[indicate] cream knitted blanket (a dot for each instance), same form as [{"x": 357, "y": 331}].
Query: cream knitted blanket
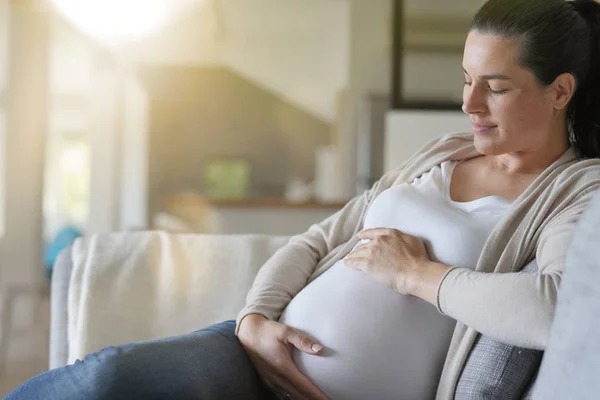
[{"x": 129, "y": 287}]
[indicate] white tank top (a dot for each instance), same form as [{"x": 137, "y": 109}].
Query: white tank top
[{"x": 380, "y": 344}]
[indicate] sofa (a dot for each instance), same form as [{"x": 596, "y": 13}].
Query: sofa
[{"x": 123, "y": 287}]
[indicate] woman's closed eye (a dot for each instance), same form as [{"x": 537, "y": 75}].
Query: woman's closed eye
[
  {"x": 497, "y": 91},
  {"x": 490, "y": 89}
]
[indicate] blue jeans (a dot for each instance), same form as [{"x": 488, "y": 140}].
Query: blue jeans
[{"x": 208, "y": 364}]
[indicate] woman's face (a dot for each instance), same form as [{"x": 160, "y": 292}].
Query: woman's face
[{"x": 510, "y": 111}]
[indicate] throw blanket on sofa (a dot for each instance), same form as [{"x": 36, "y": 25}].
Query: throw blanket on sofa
[{"x": 129, "y": 287}]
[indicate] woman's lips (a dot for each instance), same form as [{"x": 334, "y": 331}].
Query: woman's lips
[{"x": 482, "y": 128}]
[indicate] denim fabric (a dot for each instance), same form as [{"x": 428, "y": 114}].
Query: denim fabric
[{"x": 207, "y": 364}]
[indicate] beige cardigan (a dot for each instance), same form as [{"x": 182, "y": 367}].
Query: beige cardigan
[{"x": 495, "y": 299}]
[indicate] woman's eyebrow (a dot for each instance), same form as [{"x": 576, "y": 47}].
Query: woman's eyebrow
[{"x": 491, "y": 76}]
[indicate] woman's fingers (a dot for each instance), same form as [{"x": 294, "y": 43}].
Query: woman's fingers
[
  {"x": 290, "y": 373},
  {"x": 302, "y": 342}
]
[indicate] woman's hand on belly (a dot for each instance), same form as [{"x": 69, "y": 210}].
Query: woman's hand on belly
[
  {"x": 398, "y": 261},
  {"x": 269, "y": 345}
]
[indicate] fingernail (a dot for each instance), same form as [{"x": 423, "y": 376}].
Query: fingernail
[{"x": 316, "y": 347}]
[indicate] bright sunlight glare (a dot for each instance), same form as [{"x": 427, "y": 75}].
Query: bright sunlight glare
[{"x": 114, "y": 21}]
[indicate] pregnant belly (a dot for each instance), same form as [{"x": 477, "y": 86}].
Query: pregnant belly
[{"x": 377, "y": 343}]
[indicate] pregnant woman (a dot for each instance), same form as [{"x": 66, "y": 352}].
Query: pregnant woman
[{"x": 462, "y": 246}]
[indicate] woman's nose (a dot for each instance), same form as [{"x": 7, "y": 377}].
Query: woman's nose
[{"x": 473, "y": 102}]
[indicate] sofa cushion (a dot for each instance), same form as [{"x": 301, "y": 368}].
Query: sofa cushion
[{"x": 497, "y": 371}]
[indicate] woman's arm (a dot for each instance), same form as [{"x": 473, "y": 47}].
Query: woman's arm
[{"x": 515, "y": 308}]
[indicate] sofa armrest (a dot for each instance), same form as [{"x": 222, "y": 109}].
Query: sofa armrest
[{"x": 58, "y": 309}]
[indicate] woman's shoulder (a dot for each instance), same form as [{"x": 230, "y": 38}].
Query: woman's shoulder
[
  {"x": 587, "y": 169},
  {"x": 577, "y": 176}
]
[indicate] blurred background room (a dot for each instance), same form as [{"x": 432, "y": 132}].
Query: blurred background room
[{"x": 202, "y": 116}]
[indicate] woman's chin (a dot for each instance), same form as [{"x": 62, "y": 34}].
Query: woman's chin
[{"x": 487, "y": 146}]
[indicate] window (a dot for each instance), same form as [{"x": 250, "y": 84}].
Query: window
[{"x": 66, "y": 197}]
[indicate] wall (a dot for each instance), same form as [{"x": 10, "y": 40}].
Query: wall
[
  {"x": 196, "y": 113},
  {"x": 298, "y": 49},
  {"x": 189, "y": 38}
]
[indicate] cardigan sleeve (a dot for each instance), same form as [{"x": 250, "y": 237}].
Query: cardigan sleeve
[{"x": 515, "y": 308}]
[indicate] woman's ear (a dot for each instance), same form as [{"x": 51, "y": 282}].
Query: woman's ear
[{"x": 562, "y": 90}]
